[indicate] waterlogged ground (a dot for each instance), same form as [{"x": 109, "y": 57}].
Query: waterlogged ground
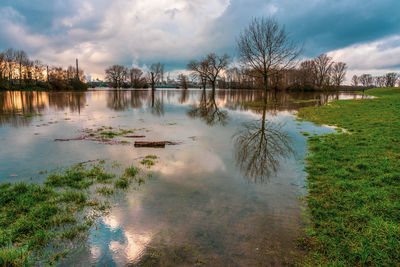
[{"x": 226, "y": 194}]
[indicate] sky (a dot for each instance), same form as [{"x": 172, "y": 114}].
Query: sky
[{"x": 363, "y": 33}]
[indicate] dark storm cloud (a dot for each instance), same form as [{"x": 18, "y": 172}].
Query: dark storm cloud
[{"x": 102, "y": 32}]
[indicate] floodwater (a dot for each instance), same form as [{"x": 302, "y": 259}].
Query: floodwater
[{"x": 227, "y": 195}]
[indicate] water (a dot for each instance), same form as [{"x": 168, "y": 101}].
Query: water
[{"x": 228, "y": 195}]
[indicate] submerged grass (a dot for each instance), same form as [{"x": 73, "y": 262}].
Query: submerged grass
[
  {"x": 149, "y": 160},
  {"x": 354, "y": 183},
  {"x": 33, "y": 216}
]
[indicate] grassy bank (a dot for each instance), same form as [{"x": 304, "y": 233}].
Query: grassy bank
[
  {"x": 354, "y": 183},
  {"x": 36, "y": 220},
  {"x": 55, "y": 85}
]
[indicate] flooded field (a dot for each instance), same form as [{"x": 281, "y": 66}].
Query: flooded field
[{"x": 224, "y": 193}]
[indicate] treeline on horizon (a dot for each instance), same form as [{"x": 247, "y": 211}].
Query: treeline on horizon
[
  {"x": 267, "y": 60},
  {"x": 213, "y": 71},
  {"x": 19, "y": 72}
]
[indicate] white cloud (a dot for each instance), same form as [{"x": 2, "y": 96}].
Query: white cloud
[
  {"x": 377, "y": 57},
  {"x": 139, "y": 32},
  {"x": 128, "y": 32}
]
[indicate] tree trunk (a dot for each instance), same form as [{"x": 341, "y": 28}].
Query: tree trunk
[{"x": 265, "y": 83}]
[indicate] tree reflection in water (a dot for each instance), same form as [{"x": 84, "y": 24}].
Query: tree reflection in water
[
  {"x": 260, "y": 147},
  {"x": 208, "y": 110},
  {"x": 157, "y": 105}
]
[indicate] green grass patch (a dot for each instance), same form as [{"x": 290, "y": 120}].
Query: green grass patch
[
  {"x": 354, "y": 183},
  {"x": 131, "y": 171},
  {"x": 299, "y": 101},
  {"x": 33, "y": 216},
  {"x": 122, "y": 183},
  {"x": 149, "y": 161},
  {"x": 108, "y": 132},
  {"x": 29, "y": 115},
  {"x": 106, "y": 191}
]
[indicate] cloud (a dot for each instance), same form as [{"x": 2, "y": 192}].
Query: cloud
[
  {"x": 103, "y": 32},
  {"x": 380, "y": 54}
]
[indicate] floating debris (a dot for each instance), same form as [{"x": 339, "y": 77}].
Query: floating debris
[
  {"x": 160, "y": 144},
  {"x": 97, "y": 139},
  {"x": 134, "y": 136}
]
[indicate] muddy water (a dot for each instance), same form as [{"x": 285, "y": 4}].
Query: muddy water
[{"x": 227, "y": 195}]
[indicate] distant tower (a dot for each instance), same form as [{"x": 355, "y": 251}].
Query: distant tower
[{"x": 77, "y": 70}]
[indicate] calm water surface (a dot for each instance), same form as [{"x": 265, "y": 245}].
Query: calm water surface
[{"x": 228, "y": 195}]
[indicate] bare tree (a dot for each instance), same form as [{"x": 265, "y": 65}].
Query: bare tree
[
  {"x": 21, "y": 58},
  {"x": 323, "y": 68},
  {"x": 380, "y": 81},
  {"x": 9, "y": 58},
  {"x": 307, "y": 74},
  {"x": 137, "y": 81},
  {"x": 2, "y": 65},
  {"x": 366, "y": 80},
  {"x": 38, "y": 73},
  {"x": 264, "y": 46},
  {"x": 338, "y": 73},
  {"x": 354, "y": 80},
  {"x": 199, "y": 70},
  {"x": 391, "y": 79},
  {"x": 155, "y": 74},
  {"x": 184, "y": 80},
  {"x": 209, "y": 68},
  {"x": 116, "y": 75}
]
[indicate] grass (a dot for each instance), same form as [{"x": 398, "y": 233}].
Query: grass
[
  {"x": 34, "y": 216},
  {"x": 129, "y": 175},
  {"x": 107, "y": 132},
  {"x": 354, "y": 183},
  {"x": 106, "y": 191},
  {"x": 29, "y": 115},
  {"x": 149, "y": 161},
  {"x": 300, "y": 101}
]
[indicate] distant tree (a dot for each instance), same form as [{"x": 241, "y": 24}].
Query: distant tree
[
  {"x": 184, "y": 80},
  {"x": 71, "y": 73},
  {"x": 199, "y": 70},
  {"x": 391, "y": 79},
  {"x": 354, "y": 80},
  {"x": 210, "y": 67},
  {"x": 9, "y": 58},
  {"x": 338, "y": 73},
  {"x": 21, "y": 58},
  {"x": 307, "y": 74},
  {"x": 380, "y": 81},
  {"x": 116, "y": 75},
  {"x": 264, "y": 47},
  {"x": 366, "y": 80},
  {"x": 323, "y": 67},
  {"x": 155, "y": 74},
  {"x": 38, "y": 73},
  {"x": 137, "y": 81},
  {"x": 2, "y": 65}
]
